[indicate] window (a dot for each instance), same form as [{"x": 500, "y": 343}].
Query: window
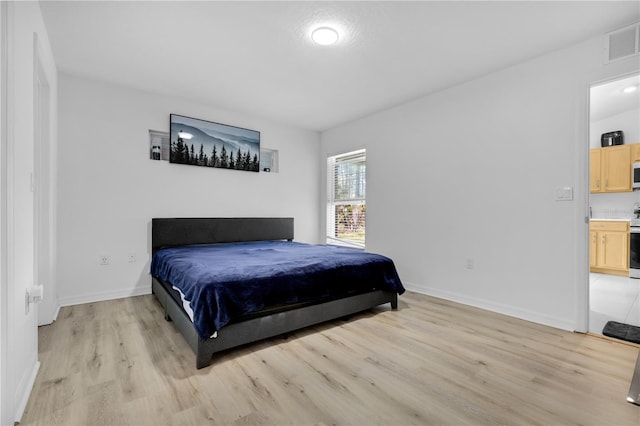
[{"x": 346, "y": 207}]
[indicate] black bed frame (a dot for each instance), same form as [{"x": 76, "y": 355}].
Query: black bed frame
[{"x": 183, "y": 231}]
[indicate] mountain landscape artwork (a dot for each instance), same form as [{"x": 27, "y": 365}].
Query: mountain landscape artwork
[{"x": 208, "y": 144}]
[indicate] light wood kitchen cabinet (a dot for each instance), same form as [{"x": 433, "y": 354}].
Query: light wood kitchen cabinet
[
  {"x": 593, "y": 249},
  {"x": 635, "y": 152},
  {"x": 611, "y": 169},
  {"x": 595, "y": 172},
  {"x": 609, "y": 247}
]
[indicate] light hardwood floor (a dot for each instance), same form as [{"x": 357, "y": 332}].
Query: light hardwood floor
[{"x": 430, "y": 362}]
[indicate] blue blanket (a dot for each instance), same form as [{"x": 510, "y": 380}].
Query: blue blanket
[{"x": 225, "y": 281}]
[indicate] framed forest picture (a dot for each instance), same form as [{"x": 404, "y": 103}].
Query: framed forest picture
[{"x": 207, "y": 144}]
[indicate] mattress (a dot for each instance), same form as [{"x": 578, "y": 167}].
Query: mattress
[
  {"x": 178, "y": 297},
  {"x": 224, "y": 282}
]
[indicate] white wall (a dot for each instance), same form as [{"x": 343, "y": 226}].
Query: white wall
[
  {"x": 471, "y": 173},
  {"x": 109, "y": 189},
  {"x": 24, "y": 27}
]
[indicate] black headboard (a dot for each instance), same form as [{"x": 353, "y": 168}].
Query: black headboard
[{"x": 167, "y": 232}]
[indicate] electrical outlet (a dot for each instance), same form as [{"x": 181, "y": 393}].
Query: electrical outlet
[
  {"x": 132, "y": 257},
  {"x": 469, "y": 263},
  {"x": 104, "y": 260}
]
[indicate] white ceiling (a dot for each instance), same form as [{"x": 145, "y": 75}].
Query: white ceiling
[
  {"x": 609, "y": 98},
  {"x": 257, "y": 58}
]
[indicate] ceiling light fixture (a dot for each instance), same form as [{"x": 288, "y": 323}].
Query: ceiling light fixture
[
  {"x": 630, "y": 89},
  {"x": 325, "y": 36}
]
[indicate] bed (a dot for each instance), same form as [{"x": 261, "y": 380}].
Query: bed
[{"x": 208, "y": 308}]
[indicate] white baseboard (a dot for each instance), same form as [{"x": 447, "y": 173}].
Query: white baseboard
[
  {"x": 48, "y": 319},
  {"x": 56, "y": 313},
  {"x": 489, "y": 305},
  {"x": 102, "y": 296},
  {"x": 23, "y": 392}
]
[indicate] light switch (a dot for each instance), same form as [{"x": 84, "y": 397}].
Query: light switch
[{"x": 564, "y": 193}]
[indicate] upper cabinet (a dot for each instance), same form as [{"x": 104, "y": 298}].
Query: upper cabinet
[
  {"x": 611, "y": 168},
  {"x": 635, "y": 152},
  {"x": 595, "y": 170}
]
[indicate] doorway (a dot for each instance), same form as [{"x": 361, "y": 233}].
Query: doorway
[{"x": 613, "y": 296}]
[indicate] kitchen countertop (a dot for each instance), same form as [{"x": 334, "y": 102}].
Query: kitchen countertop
[{"x": 608, "y": 220}]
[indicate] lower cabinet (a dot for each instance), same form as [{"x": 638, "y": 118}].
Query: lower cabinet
[{"x": 609, "y": 247}]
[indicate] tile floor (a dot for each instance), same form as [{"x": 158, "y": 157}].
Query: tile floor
[{"x": 613, "y": 298}]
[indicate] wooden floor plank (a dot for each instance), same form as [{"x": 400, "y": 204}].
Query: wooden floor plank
[{"x": 430, "y": 362}]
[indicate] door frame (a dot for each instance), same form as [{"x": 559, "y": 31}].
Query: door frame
[
  {"x": 43, "y": 225},
  {"x": 584, "y": 304},
  {"x": 6, "y": 394}
]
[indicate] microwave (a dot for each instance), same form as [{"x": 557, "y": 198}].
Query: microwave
[{"x": 635, "y": 175}]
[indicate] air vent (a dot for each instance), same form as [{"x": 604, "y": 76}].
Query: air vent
[{"x": 622, "y": 43}]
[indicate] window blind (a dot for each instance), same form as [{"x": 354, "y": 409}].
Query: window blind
[{"x": 346, "y": 205}]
